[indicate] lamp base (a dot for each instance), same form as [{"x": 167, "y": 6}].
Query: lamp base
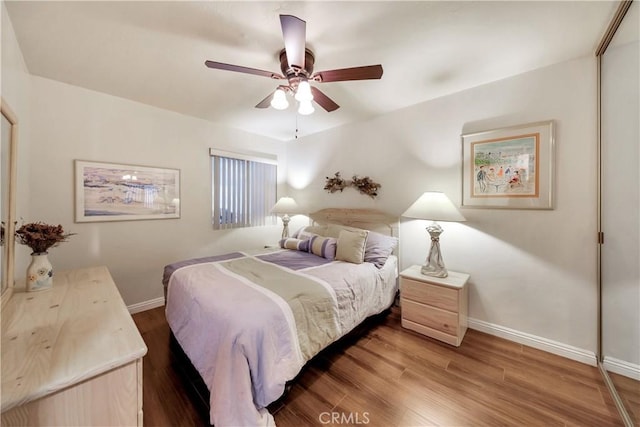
[
  {"x": 434, "y": 265},
  {"x": 285, "y": 222},
  {"x": 428, "y": 270}
]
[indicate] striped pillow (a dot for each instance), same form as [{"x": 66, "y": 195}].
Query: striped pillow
[
  {"x": 323, "y": 246},
  {"x": 295, "y": 244}
]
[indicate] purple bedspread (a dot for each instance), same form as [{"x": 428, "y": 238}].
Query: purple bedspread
[
  {"x": 169, "y": 269},
  {"x": 294, "y": 260}
]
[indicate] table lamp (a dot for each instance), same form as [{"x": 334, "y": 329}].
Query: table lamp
[
  {"x": 285, "y": 206},
  {"x": 434, "y": 206}
]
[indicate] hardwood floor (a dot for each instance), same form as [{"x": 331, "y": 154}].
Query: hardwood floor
[
  {"x": 385, "y": 375},
  {"x": 629, "y": 391}
]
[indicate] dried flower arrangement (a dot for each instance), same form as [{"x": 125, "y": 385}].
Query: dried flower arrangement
[
  {"x": 40, "y": 236},
  {"x": 363, "y": 185},
  {"x": 335, "y": 184},
  {"x": 366, "y": 186}
]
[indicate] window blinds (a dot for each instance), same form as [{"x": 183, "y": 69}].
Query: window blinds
[{"x": 244, "y": 191}]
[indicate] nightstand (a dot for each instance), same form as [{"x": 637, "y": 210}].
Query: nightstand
[{"x": 434, "y": 306}]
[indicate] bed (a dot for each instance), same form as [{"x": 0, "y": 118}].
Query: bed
[{"x": 248, "y": 321}]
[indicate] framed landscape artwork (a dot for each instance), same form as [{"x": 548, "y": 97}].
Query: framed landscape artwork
[
  {"x": 511, "y": 168},
  {"x": 117, "y": 192}
]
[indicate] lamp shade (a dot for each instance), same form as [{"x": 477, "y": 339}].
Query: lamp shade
[
  {"x": 279, "y": 100},
  {"x": 285, "y": 205},
  {"x": 435, "y": 206},
  {"x": 306, "y": 108}
]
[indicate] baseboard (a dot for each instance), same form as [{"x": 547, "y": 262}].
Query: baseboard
[
  {"x": 554, "y": 347},
  {"x": 622, "y": 368},
  {"x": 544, "y": 344},
  {"x": 146, "y": 305}
]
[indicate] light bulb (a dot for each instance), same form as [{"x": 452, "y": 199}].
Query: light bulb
[
  {"x": 304, "y": 91},
  {"x": 279, "y": 100},
  {"x": 306, "y": 108}
]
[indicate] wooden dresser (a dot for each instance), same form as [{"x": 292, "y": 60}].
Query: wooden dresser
[
  {"x": 433, "y": 306},
  {"x": 71, "y": 355}
]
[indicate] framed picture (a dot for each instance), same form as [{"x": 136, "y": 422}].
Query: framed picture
[
  {"x": 511, "y": 168},
  {"x": 116, "y": 192}
]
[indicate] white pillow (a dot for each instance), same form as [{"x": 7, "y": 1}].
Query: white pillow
[{"x": 351, "y": 246}]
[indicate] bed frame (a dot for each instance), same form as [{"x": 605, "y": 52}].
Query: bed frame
[{"x": 368, "y": 219}]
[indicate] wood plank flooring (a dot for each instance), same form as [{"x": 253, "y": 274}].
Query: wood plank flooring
[
  {"x": 385, "y": 375},
  {"x": 629, "y": 392}
]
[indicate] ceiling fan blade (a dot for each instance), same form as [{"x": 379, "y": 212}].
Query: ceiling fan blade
[
  {"x": 367, "y": 72},
  {"x": 294, "y": 33},
  {"x": 323, "y": 100},
  {"x": 240, "y": 69},
  {"x": 265, "y": 103}
]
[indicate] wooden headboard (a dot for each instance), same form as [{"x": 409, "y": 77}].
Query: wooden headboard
[{"x": 368, "y": 219}]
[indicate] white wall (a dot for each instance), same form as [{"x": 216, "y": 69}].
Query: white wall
[
  {"x": 531, "y": 271},
  {"x": 69, "y": 123}
]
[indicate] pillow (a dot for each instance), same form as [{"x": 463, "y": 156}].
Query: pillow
[
  {"x": 320, "y": 230},
  {"x": 305, "y": 235},
  {"x": 351, "y": 246},
  {"x": 378, "y": 248},
  {"x": 333, "y": 230},
  {"x": 295, "y": 244},
  {"x": 323, "y": 246}
]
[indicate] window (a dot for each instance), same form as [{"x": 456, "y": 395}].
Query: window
[{"x": 244, "y": 190}]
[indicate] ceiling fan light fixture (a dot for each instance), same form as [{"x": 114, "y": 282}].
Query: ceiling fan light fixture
[
  {"x": 304, "y": 92},
  {"x": 306, "y": 108},
  {"x": 279, "y": 100}
]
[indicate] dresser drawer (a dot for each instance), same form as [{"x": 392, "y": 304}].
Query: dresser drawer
[
  {"x": 436, "y": 296},
  {"x": 432, "y": 317}
]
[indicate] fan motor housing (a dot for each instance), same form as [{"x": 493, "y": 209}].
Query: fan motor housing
[{"x": 291, "y": 72}]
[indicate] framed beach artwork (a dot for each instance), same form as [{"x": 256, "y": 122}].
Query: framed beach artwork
[
  {"x": 511, "y": 168},
  {"x": 118, "y": 192}
]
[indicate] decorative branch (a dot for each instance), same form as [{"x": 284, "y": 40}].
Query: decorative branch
[
  {"x": 335, "y": 184},
  {"x": 363, "y": 185},
  {"x": 366, "y": 186}
]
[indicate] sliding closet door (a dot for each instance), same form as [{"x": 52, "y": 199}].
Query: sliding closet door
[{"x": 620, "y": 211}]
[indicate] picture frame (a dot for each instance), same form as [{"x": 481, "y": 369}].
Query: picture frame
[
  {"x": 121, "y": 192},
  {"x": 509, "y": 168}
]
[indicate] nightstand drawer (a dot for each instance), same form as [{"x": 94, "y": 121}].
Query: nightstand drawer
[
  {"x": 437, "y": 296},
  {"x": 432, "y": 317}
]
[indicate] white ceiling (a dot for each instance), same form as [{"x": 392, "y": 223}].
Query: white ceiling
[{"x": 154, "y": 52}]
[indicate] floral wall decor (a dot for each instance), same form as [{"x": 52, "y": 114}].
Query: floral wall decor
[
  {"x": 364, "y": 185},
  {"x": 335, "y": 184}
]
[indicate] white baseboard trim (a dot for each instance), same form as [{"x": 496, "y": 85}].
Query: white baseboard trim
[
  {"x": 145, "y": 305},
  {"x": 621, "y": 367},
  {"x": 544, "y": 344}
]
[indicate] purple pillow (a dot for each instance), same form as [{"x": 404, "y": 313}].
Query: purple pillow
[{"x": 378, "y": 248}]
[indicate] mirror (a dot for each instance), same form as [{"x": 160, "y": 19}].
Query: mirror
[
  {"x": 619, "y": 208},
  {"x": 8, "y": 154}
]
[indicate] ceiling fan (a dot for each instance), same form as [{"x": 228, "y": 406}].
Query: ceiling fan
[{"x": 296, "y": 64}]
